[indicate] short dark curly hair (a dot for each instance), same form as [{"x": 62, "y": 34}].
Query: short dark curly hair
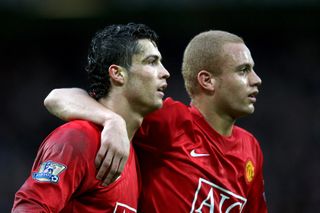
[{"x": 115, "y": 44}]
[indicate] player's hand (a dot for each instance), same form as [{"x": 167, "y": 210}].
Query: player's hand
[{"x": 114, "y": 150}]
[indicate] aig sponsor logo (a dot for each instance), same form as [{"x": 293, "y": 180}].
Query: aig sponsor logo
[
  {"x": 121, "y": 208},
  {"x": 212, "y": 198}
]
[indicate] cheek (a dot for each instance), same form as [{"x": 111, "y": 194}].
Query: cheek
[
  {"x": 135, "y": 86},
  {"x": 243, "y": 81},
  {"x": 234, "y": 89},
  {"x": 238, "y": 84},
  {"x": 144, "y": 86}
]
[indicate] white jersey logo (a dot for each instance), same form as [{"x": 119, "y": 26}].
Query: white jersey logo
[
  {"x": 194, "y": 154},
  {"x": 212, "y": 198},
  {"x": 123, "y": 208}
]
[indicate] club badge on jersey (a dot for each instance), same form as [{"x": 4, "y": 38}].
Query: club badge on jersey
[
  {"x": 249, "y": 171},
  {"x": 49, "y": 172}
]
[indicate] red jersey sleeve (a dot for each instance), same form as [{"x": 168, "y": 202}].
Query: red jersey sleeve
[
  {"x": 256, "y": 197},
  {"x": 159, "y": 127},
  {"x": 58, "y": 171}
]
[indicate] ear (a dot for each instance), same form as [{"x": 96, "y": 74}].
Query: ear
[
  {"x": 117, "y": 74},
  {"x": 206, "y": 80}
]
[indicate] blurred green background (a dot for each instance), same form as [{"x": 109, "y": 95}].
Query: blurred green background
[{"x": 44, "y": 45}]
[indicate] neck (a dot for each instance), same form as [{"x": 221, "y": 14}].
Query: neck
[
  {"x": 120, "y": 105},
  {"x": 219, "y": 121}
]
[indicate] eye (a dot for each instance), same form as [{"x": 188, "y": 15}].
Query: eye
[
  {"x": 153, "y": 62},
  {"x": 244, "y": 70}
]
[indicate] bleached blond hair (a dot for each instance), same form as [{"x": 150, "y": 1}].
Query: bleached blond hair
[{"x": 204, "y": 52}]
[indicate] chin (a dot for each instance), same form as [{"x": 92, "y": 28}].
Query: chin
[
  {"x": 250, "y": 111},
  {"x": 245, "y": 112},
  {"x": 156, "y": 105},
  {"x": 159, "y": 104}
]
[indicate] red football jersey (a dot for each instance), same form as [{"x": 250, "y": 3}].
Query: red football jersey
[
  {"x": 186, "y": 166},
  {"x": 63, "y": 177}
]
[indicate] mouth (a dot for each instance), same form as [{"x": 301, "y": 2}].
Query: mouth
[
  {"x": 161, "y": 89},
  {"x": 252, "y": 96}
]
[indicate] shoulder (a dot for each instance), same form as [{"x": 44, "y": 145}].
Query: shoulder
[
  {"x": 238, "y": 131},
  {"x": 167, "y": 119},
  {"x": 77, "y": 130},
  {"x": 248, "y": 139},
  {"x": 170, "y": 104},
  {"x": 170, "y": 111},
  {"x": 160, "y": 127},
  {"x": 75, "y": 137}
]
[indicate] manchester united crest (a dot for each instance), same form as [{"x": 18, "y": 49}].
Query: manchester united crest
[{"x": 249, "y": 171}]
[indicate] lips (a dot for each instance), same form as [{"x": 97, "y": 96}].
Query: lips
[
  {"x": 162, "y": 88},
  {"x": 252, "y": 96}
]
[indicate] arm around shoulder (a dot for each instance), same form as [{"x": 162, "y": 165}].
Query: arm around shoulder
[
  {"x": 75, "y": 103},
  {"x": 63, "y": 102}
]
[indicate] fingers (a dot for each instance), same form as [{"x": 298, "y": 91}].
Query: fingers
[
  {"x": 105, "y": 165},
  {"x": 113, "y": 173},
  {"x": 100, "y": 157},
  {"x": 122, "y": 163},
  {"x": 113, "y": 153},
  {"x": 111, "y": 166}
]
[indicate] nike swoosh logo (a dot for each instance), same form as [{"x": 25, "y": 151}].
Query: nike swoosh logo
[{"x": 194, "y": 154}]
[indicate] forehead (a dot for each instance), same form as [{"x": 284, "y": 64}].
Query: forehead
[
  {"x": 146, "y": 48},
  {"x": 237, "y": 54}
]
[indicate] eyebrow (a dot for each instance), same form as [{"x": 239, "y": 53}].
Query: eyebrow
[
  {"x": 245, "y": 65},
  {"x": 156, "y": 57}
]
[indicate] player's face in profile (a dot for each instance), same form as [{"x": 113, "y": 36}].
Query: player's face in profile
[
  {"x": 146, "y": 78},
  {"x": 237, "y": 85}
]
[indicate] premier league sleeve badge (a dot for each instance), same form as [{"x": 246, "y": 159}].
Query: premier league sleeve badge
[{"x": 49, "y": 172}]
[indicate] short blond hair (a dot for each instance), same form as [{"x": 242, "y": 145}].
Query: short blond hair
[{"x": 203, "y": 53}]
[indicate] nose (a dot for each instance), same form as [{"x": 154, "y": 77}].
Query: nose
[
  {"x": 255, "y": 80},
  {"x": 164, "y": 73}
]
